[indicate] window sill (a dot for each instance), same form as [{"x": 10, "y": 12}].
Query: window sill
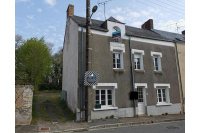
[
  {"x": 105, "y": 108},
  {"x": 118, "y": 70},
  {"x": 140, "y": 71},
  {"x": 163, "y": 104},
  {"x": 158, "y": 72}
]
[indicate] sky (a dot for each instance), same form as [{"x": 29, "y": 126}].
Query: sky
[{"x": 37, "y": 18}]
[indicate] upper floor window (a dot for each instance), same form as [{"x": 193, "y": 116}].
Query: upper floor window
[
  {"x": 138, "y": 59},
  {"x": 117, "y": 60},
  {"x": 116, "y": 34},
  {"x": 157, "y": 60}
]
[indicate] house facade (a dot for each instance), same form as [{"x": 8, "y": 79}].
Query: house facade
[{"x": 116, "y": 50}]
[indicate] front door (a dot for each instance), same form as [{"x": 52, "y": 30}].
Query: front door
[{"x": 141, "y": 103}]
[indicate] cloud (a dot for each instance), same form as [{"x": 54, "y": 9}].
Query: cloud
[
  {"x": 52, "y": 27},
  {"x": 30, "y": 17},
  {"x": 39, "y": 10},
  {"x": 22, "y": 0},
  {"x": 134, "y": 14},
  {"x": 28, "y": 25},
  {"x": 50, "y": 2},
  {"x": 120, "y": 18},
  {"x": 137, "y": 24},
  {"x": 117, "y": 10},
  {"x": 145, "y": 13}
]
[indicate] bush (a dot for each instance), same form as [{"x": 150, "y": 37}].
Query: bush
[{"x": 112, "y": 116}]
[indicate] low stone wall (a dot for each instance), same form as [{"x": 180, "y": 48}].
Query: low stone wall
[{"x": 23, "y": 104}]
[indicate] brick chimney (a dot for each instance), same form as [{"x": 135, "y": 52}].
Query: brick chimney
[
  {"x": 183, "y": 32},
  {"x": 148, "y": 25},
  {"x": 70, "y": 10}
]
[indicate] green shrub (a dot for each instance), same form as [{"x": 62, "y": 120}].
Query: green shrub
[
  {"x": 112, "y": 116},
  {"x": 106, "y": 117},
  {"x": 166, "y": 113}
]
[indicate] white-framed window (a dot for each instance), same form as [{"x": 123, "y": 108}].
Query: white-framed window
[
  {"x": 157, "y": 61},
  {"x": 140, "y": 94},
  {"x": 117, "y": 60},
  {"x": 138, "y": 59},
  {"x": 104, "y": 97},
  {"x": 162, "y": 93}
]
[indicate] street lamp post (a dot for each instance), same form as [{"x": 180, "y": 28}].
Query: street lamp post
[{"x": 88, "y": 55}]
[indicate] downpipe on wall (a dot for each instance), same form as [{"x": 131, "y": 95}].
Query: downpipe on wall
[{"x": 132, "y": 75}]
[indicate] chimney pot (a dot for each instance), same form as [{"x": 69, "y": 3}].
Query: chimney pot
[
  {"x": 70, "y": 10},
  {"x": 183, "y": 32},
  {"x": 148, "y": 25}
]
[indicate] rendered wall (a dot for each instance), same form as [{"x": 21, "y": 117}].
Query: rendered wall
[{"x": 70, "y": 64}]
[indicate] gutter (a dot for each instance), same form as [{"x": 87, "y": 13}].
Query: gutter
[
  {"x": 81, "y": 108},
  {"x": 132, "y": 75},
  {"x": 179, "y": 74}
]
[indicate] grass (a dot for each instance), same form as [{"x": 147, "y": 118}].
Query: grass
[
  {"x": 48, "y": 91},
  {"x": 64, "y": 106},
  {"x": 34, "y": 110},
  {"x": 58, "y": 112},
  {"x": 42, "y": 111}
]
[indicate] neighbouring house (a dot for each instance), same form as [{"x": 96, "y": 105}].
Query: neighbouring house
[
  {"x": 179, "y": 41},
  {"x": 117, "y": 49}
]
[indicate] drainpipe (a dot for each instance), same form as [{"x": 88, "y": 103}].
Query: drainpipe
[
  {"x": 81, "y": 74},
  {"x": 179, "y": 75},
  {"x": 132, "y": 76}
]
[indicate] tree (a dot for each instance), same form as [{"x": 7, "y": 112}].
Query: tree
[
  {"x": 33, "y": 61},
  {"x": 18, "y": 41},
  {"x": 53, "y": 81}
]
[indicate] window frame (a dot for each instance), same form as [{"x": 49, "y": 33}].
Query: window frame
[
  {"x": 121, "y": 60},
  {"x": 166, "y": 87},
  {"x": 106, "y": 97},
  {"x": 157, "y": 55},
  {"x": 141, "y": 54}
]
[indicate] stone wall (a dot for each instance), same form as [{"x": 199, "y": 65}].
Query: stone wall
[{"x": 23, "y": 104}]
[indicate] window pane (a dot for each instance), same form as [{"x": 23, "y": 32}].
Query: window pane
[
  {"x": 102, "y": 91},
  {"x": 97, "y": 97},
  {"x": 97, "y": 92},
  {"x": 109, "y": 102},
  {"x": 164, "y": 99},
  {"x": 159, "y": 91},
  {"x": 103, "y": 103},
  {"x": 103, "y": 97},
  {"x": 160, "y": 99},
  {"x": 109, "y": 91},
  {"x": 97, "y": 102},
  {"x": 113, "y": 55},
  {"x": 118, "y": 65},
  {"x": 109, "y": 96}
]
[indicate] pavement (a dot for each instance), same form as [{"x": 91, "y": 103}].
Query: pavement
[{"x": 72, "y": 126}]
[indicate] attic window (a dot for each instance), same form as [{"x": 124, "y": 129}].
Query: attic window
[{"x": 116, "y": 34}]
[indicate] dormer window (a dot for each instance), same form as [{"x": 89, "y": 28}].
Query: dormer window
[{"x": 116, "y": 34}]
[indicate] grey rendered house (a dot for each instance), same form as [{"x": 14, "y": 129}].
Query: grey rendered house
[{"x": 154, "y": 64}]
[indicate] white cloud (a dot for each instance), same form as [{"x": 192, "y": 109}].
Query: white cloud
[
  {"x": 137, "y": 24},
  {"x": 22, "y": 0},
  {"x": 52, "y": 27},
  {"x": 39, "y": 10},
  {"x": 120, "y": 18},
  {"x": 117, "y": 10},
  {"x": 145, "y": 13},
  {"x": 50, "y": 2},
  {"x": 30, "y": 17},
  {"x": 135, "y": 14}
]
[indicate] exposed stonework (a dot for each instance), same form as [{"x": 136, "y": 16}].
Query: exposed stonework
[{"x": 23, "y": 104}]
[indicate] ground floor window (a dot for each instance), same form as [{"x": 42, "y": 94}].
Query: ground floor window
[
  {"x": 104, "y": 97},
  {"x": 161, "y": 95}
]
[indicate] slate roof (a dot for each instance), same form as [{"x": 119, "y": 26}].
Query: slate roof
[
  {"x": 130, "y": 31},
  {"x": 172, "y": 36}
]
